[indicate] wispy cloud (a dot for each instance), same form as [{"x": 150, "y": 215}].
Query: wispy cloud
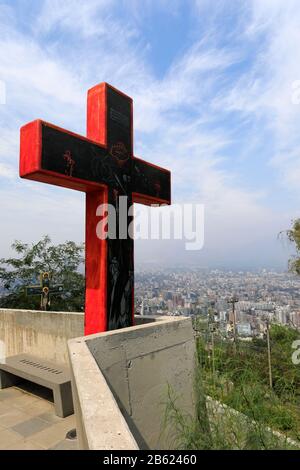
[
  {"x": 263, "y": 93},
  {"x": 85, "y": 18}
]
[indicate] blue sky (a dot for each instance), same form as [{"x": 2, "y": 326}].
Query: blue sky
[{"x": 212, "y": 84}]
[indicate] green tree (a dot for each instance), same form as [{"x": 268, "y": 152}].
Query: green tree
[{"x": 63, "y": 261}]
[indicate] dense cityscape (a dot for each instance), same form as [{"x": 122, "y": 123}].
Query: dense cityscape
[{"x": 256, "y": 297}]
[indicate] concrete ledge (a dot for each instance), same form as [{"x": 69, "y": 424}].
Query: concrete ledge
[
  {"x": 100, "y": 423},
  {"x": 41, "y": 334},
  {"x": 133, "y": 368}
]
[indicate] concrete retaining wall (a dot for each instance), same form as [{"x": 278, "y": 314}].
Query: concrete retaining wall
[
  {"x": 138, "y": 365},
  {"x": 43, "y": 334},
  {"x": 99, "y": 421}
]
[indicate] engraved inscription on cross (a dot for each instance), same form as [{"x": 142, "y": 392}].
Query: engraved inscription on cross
[{"x": 103, "y": 166}]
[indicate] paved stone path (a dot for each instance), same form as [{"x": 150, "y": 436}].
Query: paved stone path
[{"x": 28, "y": 421}]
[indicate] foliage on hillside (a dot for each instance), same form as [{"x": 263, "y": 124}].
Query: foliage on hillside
[
  {"x": 63, "y": 261},
  {"x": 241, "y": 378},
  {"x": 236, "y": 409}
]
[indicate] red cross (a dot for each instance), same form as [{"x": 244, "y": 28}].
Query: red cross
[{"x": 103, "y": 166}]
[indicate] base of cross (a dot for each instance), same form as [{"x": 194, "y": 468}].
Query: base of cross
[{"x": 103, "y": 166}]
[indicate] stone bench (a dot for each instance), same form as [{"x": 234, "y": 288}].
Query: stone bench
[{"x": 46, "y": 374}]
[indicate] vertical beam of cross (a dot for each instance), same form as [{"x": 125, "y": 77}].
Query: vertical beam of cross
[{"x": 109, "y": 281}]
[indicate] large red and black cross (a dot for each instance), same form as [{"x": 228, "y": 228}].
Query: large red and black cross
[{"x": 103, "y": 166}]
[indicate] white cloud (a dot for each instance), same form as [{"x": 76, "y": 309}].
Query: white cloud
[
  {"x": 7, "y": 171},
  {"x": 86, "y": 18},
  {"x": 264, "y": 92}
]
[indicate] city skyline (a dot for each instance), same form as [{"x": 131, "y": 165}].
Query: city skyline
[{"x": 258, "y": 297}]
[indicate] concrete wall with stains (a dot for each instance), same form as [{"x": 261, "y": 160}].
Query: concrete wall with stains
[
  {"x": 42, "y": 334},
  {"x": 138, "y": 364}
]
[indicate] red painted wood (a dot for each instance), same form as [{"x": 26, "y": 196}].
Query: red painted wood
[
  {"x": 96, "y": 194},
  {"x": 95, "y": 267},
  {"x": 70, "y": 182},
  {"x": 95, "y": 306},
  {"x": 30, "y": 159},
  {"x": 30, "y": 148},
  {"x": 95, "y": 249},
  {"x": 97, "y": 114},
  {"x": 149, "y": 200}
]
